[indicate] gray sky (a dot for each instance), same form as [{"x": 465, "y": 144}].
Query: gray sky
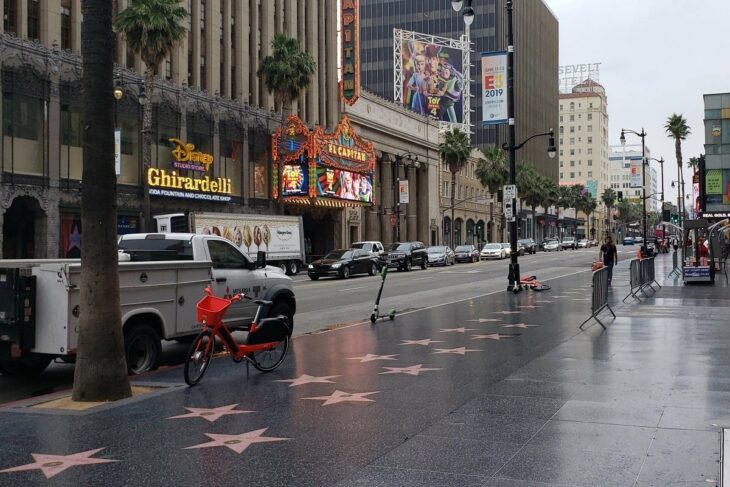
[{"x": 657, "y": 57}]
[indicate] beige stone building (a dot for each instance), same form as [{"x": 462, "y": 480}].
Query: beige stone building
[
  {"x": 220, "y": 54},
  {"x": 584, "y": 150}
]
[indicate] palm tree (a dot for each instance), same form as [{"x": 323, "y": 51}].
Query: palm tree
[
  {"x": 101, "y": 370},
  {"x": 492, "y": 170},
  {"x": 588, "y": 205},
  {"x": 550, "y": 197},
  {"x": 695, "y": 162},
  {"x": 677, "y": 129},
  {"x": 287, "y": 71},
  {"x": 530, "y": 188},
  {"x": 609, "y": 198},
  {"x": 454, "y": 149},
  {"x": 152, "y": 28}
]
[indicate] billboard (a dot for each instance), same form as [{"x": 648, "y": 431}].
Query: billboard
[
  {"x": 494, "y": 88},
  {"x": 345, "y": 185},
  {"x": 636, "y": 175},
  {"x": 717, "y": 190},
  {"x": 429, "y": 75}
]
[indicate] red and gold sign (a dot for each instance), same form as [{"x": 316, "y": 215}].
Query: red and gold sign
[{"x": 350, "y": 29}]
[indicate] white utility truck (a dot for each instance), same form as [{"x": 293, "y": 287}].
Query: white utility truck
[
  {"x": 161, "y": 279},
  {"x": 281, "y": 237}
]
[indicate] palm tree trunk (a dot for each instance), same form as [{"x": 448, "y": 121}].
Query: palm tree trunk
[
  {"x": 149, "y": 79},
  {"x": 453, "y": 202},
  {"x": 534, "y": 222},
  {"x": 101, "y": 369}
]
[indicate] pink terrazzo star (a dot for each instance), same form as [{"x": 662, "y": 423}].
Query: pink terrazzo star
[
  {"x": 507, "y": 312},
  {"x": 370, "y": 357},
  {"x": 52, "y": 465},
  {"x": 341, "y": 396},
  {"x": 412, "y": 370},
  {"x": 211, "y": 414},
  {"x": 309, "y": 379},
  {"x": 237, "y": 443},
  {"x": 425, "y": 342},
  {"x": 518, "y": 325},
  {"x": 456, "y": 351},
  {"x": 492, "y": 336},
  {"x": 485, "y": 320},
  {"x": 456, "y": 330}
]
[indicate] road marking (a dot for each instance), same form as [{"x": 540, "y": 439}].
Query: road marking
[
  {"x": 422, "y": 278},
  {"x": 351, "y": 288}
]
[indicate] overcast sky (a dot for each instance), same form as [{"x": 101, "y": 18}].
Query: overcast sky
[{"x": 657, "y": 57}]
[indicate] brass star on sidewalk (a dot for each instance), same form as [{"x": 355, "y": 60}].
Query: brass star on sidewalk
[
  {"x": 485, "y": 320},
  {"x": 52, "y": 465},
  {"x": 211, "y": 414},
  {"x": 342, "y": 396},
  {"x": 492, "y": 336},
  {"x": 425, "y": 342},
  {"x": 309, "y": 379},
  {"x": 412, "y": 370},
  {"x": 370, "y": 357},
  {"x": 456, "y": 330},
  {"x": 237, "y": 443},
  {"x": 457, "y": 351},
  {"x": 518, "y": 325}
]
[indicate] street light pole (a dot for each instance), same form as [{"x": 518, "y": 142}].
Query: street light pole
[
  {"x": 513, "y": 275},
  {"x": 644, "y": 163}
]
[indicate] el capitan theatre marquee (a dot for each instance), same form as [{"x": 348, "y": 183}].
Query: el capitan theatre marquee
[
  {"x": 197, "y": 184},
  {"x": 324, "y": 169}
]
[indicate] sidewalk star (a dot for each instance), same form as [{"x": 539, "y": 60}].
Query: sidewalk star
[
  {"x": 529, "y": 306},
  {"x": 211, "y": 414},
  {"x": 492, "y": 336},
  {"x": 412, "y": 370},
  {"x": 456, "y": 330},
  {"x": 52, "y": 465},
  {"x": 518, "y": 325},
  {"x": 485, "y": 320},
  {"x": 237, "y": 443},
  {"x": 341, "y": 396},
  {"x": 425, "y": 342},
  {"x": 507, "y": 312},
  {"x": 309, "y": 379},
  {"x": 370, "y": 357},
  {"x": 457, "y": 351}
]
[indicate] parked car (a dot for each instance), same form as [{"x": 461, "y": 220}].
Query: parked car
[
  {"x": 638, "y": 240},
  {"x": 569, "y": 243},
  {"x": 628, "y": 241},
  {"x": 551, "y": 245},
  {"x": 466, "y": 253},
  {"x": 404, "y": 255},
  {"x": 493, "y": 251},
  {"x": 529, "y": 245},
  {"x": 508, "y": 248},
  {"x": 343, "y": 263},
  {"x": 375, "y": 248},
  {"x": 594, "y": 243},
  {"x": 441, "y": 255},
  {"x": 583, "y": 243}
]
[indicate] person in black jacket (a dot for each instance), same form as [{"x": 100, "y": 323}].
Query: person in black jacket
[{"x": 609, "y": 255}]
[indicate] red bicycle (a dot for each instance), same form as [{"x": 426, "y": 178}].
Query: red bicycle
[
  {"x": 266, "y": 345},
  {"x": 531, "y": 282}
]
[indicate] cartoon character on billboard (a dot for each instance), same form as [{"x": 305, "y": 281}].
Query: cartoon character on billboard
[
  {"x": 415, "y": 85},
  {"x": 292, "y": 178},
  {"x": 452, "y": 84},
  {"x": 366, "y": 189},
  {"x": 347, "y": 186}
]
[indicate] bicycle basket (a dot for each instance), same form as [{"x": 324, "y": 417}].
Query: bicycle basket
[{"x": 211, "y": 309}]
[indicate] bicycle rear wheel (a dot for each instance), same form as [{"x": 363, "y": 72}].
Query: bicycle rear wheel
[
  {"x": 268, "y": 360},
  {"x": 541, "y": 287},
  {"x": 199, "y": 357}
]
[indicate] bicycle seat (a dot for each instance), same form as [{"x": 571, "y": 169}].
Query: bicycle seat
[{"x": 262, "y": 302}]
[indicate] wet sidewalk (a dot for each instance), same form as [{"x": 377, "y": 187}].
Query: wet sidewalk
[{"x": 501, "y": 390}]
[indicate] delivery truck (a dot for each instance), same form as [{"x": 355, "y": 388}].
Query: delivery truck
[{"x": 280, "y": 237}]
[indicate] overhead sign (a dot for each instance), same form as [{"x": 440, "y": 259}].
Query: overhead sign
[
  {"x": 494, "y": 88},
  {"x": 574, "y": 74},
  {"x": 510, "y": 192},
  {"x": 169, "y": 183},
  {"x": 350, "y": 54},
  {"x": 403, "y": 197}
]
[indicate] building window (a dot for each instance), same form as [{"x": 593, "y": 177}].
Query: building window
[
  {"x": 590, "y": 162},
  {"x": 9, "y": 16},
  {"x": 590, "y": 151},
  {"x": 572, "y": 175},
  {"x": 590, "y": 174},
  {"x": 34, "y": 20},
  {"x": 590, "y": 140},
  {"x": 590, "y": 105},
  {"x": 572, "y": 118},
  {"x": 561, "y": 163},
  {"x": 561, "y": 118},
  {"x": 572, "y": 163},
  {"x": 572, "y": 105},
  {"x": 590, "y": 116},
  {"x": 590, "y": 128},
  {"x": 202, "y": 15},
  {"x": 561, "y": 175},
  {"x": 572, "y": 129},
  {"x": 23, "y": 150},
  {"x": 572, "y": 141},
  {"x": 572, "y": 152},
  {"x": 561, "y": 152},
  {"x": 65, "y": 27},
  {"x": 561, "y": 141},
  {"x": 561, "y": 129}
]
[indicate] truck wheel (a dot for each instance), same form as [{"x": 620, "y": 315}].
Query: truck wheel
[
  {"x": 282, "y": 265},
  {"x": 281, "y": 308},
  {"x": 293, "y": 268},
  {"x": 35, "y": 367},
  {"x": 142, "y": 349}
]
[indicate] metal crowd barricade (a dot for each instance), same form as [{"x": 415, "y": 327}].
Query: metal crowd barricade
[
  {"x": 676, "y": 270},
  {"x": 641, "y": 277},
  {"x": 635, "y": 280},
  {"x": 650, "y": 272},
  {"x": 599, "y": 301}
]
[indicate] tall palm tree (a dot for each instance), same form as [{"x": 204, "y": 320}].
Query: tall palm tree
[
  {"x": 530, "y": 188},
  {"x": 550, "y": 198},
  {"x": 609, "y": 199},
  {"x": 677, "y": 129},
  {"x": 454, "y": 149},
  {"x": 101, "y": 370},
  {"x": 152, "y": 28},
  {"x": 287, "y": 71},
  {"x": 695, "y": 162},
  {"x": 492, "y": 170}
]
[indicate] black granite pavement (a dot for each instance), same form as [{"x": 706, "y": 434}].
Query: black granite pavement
[{"x": 501, "y": 390}]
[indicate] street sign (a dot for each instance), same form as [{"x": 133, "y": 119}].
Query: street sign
[
  {"x": 510, "y": 192},
  {"x": 393, "y": 220},
  {"x": 403, "y": 196}
]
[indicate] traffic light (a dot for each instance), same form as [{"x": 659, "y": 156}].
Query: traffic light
[
  {"x": 666, "y": 215},
  {"x": 620, "y": 196}
]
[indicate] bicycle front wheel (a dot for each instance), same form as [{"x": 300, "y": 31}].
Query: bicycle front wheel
[
  {"x": 199, "y": 357},
  {"x": 268, "y": 360}
]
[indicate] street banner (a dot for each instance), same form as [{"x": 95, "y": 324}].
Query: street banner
[
  {"x": 494, "y": 88},
  {"x": 118, "y": 151},
  {"x": 635, "y": 178},
  {"x": 403, "y": 198}
]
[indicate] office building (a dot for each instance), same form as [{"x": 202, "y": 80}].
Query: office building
[
  {"x": 714, "y": 181},
  {"x": 620, "y": 159}
]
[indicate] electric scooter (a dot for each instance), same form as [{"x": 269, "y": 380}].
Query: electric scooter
[{"x": 376, "y": 311}]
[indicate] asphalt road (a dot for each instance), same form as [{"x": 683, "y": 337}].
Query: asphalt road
[{"x": 330, "y": 303}]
